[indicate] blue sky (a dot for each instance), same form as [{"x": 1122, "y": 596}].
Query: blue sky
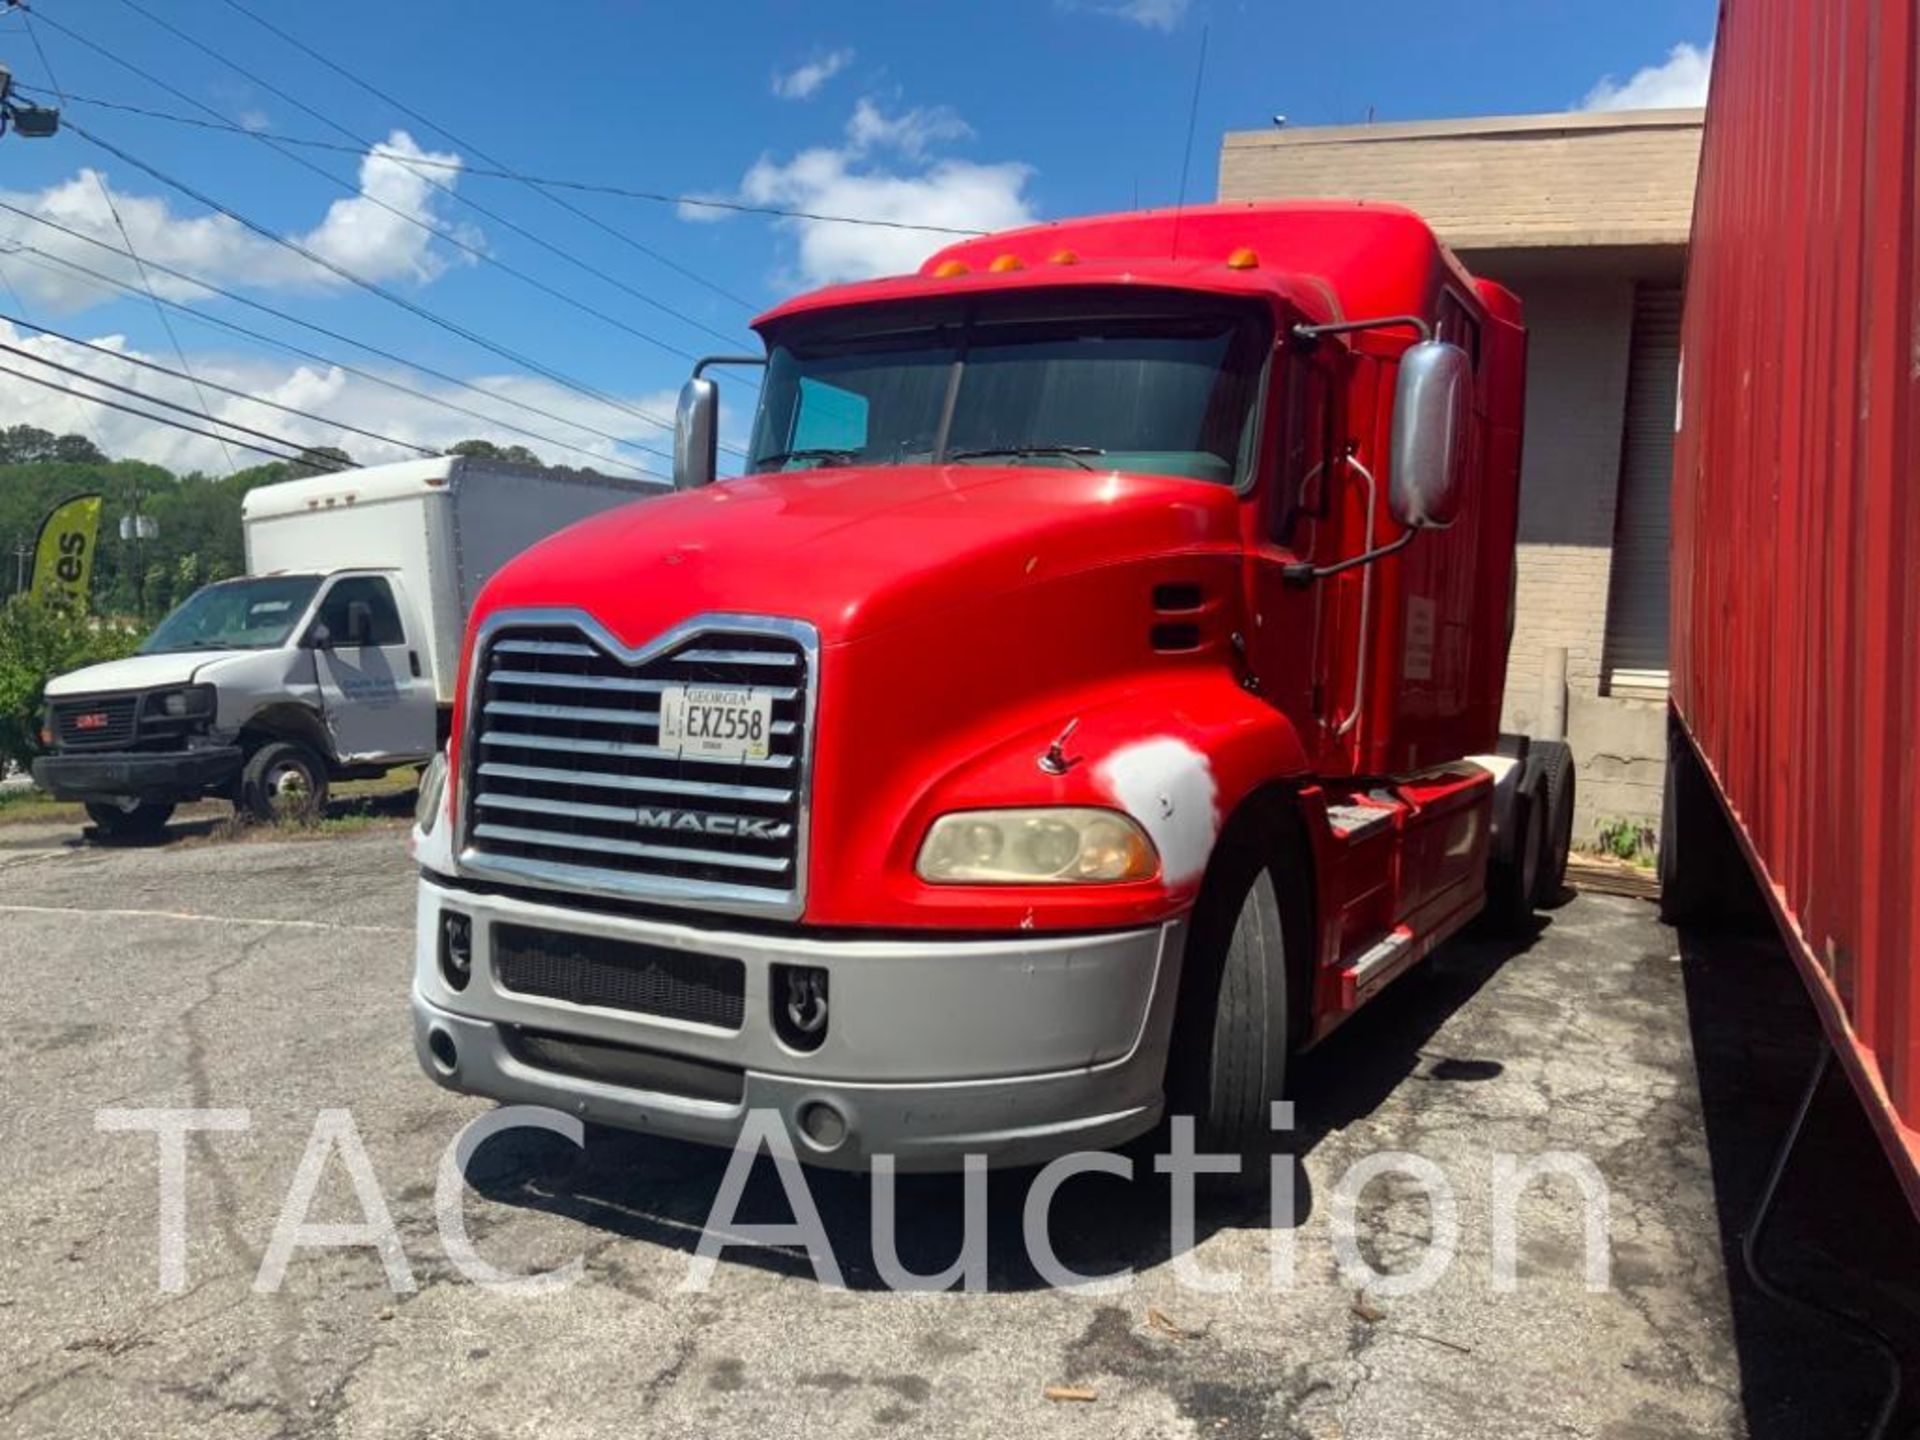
[{"x": 976, "y": 114}]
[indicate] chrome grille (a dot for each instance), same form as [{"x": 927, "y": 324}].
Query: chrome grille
[{"x": 568, "y": 785}]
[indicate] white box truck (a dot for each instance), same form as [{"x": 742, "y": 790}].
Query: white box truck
[{"x": 333, "y": 658}]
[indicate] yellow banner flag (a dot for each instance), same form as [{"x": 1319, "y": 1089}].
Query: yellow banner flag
[{"x": 63, "y": 560}]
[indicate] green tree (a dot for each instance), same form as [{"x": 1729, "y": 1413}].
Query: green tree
[
  {"x": 487, "y": 450},
  {"x": 23, "y": 444},
  {"x": 38, "y": 640}
]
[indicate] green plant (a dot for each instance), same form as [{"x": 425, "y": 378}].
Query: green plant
[
  {"x": 38, "y": 640},
  {"x": 1632, "y": 840}
]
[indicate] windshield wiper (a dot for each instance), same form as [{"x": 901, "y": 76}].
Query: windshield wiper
[
  {"x": 824, "y": 456},
  {"x": 1068, "y": 452}
]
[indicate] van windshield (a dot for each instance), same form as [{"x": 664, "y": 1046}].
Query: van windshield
[
  {"x": 1160, "y": 385},
  {"x": 257, "y": 614}
]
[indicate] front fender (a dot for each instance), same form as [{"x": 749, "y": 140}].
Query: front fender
[{"x": 1177, "y": 753}]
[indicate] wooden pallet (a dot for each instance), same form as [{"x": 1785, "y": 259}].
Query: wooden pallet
[{"x": 1601, "y": 875}]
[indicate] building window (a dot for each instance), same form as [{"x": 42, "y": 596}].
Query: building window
[{"x": 1635, "y": 664}]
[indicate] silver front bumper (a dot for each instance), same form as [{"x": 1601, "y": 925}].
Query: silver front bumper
[{"x": 1017, "y": 1048}]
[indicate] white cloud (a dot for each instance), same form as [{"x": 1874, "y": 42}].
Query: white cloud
[
  {"x": 323, "y": 390},
  {"x": 910, "y": 132},
  {"x": 355, "y": 232},
  {"x": 1147, "y": 14},
  {"x": 1680, "y": 81},
  {"x": 882, "y": 171},
  {"x": 801, "y": 82}
]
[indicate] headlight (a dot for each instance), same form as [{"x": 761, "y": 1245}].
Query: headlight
[
  {"x": 1054, "y": 845},
  {"x": 194, "y": 700},
  {"x": 433, "y": 789}
]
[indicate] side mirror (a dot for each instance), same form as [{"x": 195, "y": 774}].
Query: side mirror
[
  {"x": 319, "y": 637},
  {"x": 1432, "y": 410},
  {"x": 696, "y": 434}
]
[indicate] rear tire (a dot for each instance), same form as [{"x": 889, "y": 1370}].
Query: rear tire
[
  {"x": 1512, "y": 883},
  {"x": 142, "y": 820},
  {"x": 283, "y": 781},
  {"x": 1553, "y": 762},
  {"x": 1231, "y": 1036}
]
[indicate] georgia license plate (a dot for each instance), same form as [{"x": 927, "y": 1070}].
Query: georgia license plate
[{"x": 710, "y": 722}]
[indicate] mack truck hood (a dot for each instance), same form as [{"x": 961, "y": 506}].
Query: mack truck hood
[
  {"x": 138, "y": 672},
  {"x": 856, "y": 549}
]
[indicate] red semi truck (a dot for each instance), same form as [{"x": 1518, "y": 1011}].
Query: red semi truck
[
  {"x": 1087, "y": 696},
  {"x": 1796, "y": 539}
]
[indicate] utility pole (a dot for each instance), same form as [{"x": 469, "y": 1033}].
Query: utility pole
[{"x": 137, "y": 527}]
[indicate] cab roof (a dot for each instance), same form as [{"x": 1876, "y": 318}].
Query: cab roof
[{"x": 1329, "y": 259}]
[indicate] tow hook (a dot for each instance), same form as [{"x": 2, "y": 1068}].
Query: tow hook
[{"x": 800, "y": 1005}]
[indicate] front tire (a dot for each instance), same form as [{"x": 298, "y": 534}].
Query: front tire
[
  {"x": 1231, "y": 1035},
  {"x": 283, "y": 781},
  {"x": 139, "y": 820}
]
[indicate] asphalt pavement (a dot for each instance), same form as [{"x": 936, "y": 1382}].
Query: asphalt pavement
[{"x": 270, "y": 977}]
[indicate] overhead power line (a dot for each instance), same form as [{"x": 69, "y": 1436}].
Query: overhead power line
[
  {"x": 126, "y": 239},
  {"x": 419, "y": 222},
  {"x": 238, "y": 394},
  {"x": 504, "y": 171},
  {"x": 367, "y": 146},
  {"x": 493, "y": 396},
  {"x": 46, "y": 260},
  {"x": 374, "y": 288},
  {"x": 539, "y": 182},
  {"x": 92, "y": 379},
  {"x": 560, "y": 378},
  {"x": 304, "y": 458},
  {"x": 370, "y": 286}
]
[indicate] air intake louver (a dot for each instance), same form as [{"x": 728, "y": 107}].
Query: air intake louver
[{"x": 1177, "y": 597}]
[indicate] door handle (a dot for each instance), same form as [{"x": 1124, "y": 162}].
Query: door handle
[{"x": 413, "y": 662}]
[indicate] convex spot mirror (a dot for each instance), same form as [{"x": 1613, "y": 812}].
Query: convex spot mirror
[{"x": 1432, "y": 410}]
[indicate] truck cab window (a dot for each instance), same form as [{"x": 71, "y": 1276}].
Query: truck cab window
[
  {"x": 253, "y": 614},
  {"x": 1114, "y": 383},
  {"x": 1307, "y": 444},
  {"x": 1458, "y": 327},
  {"x": 828, "y": 417},
  {"x": 360, "y": 611}
]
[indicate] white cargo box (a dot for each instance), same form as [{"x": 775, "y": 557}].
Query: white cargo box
[{"x": 445, "y": 524}]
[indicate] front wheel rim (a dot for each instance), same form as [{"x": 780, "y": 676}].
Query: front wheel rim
[{"x": 289, "y": 789}]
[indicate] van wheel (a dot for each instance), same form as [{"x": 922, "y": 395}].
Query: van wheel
[
  {"x": 1552, "y": 760},
  {"x": 1230, "y": 1038},
  {"x": 132, "y": 821},
  {"x": 1512, "y": 883},
  {"x": 283, "y": 781}
]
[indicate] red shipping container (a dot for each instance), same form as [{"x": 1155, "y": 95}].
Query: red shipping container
[{"x": 1796, "y": 529}]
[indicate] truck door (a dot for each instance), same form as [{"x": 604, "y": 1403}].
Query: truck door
[
  {"x": 1297, "y": 520},
  {"x": 374, "y": 694}
]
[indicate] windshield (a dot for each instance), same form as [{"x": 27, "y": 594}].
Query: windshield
[
  {"x": 235, "y": 615},
  {"x": 1162, "y": 386}
]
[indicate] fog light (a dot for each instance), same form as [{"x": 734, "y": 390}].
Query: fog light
[
  {"x": 440, "y": 1046},
  {"x": 823, "y": 1125},
  {"x": 800, "y": 1005},
  {"x": 456, "y": 948}
]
